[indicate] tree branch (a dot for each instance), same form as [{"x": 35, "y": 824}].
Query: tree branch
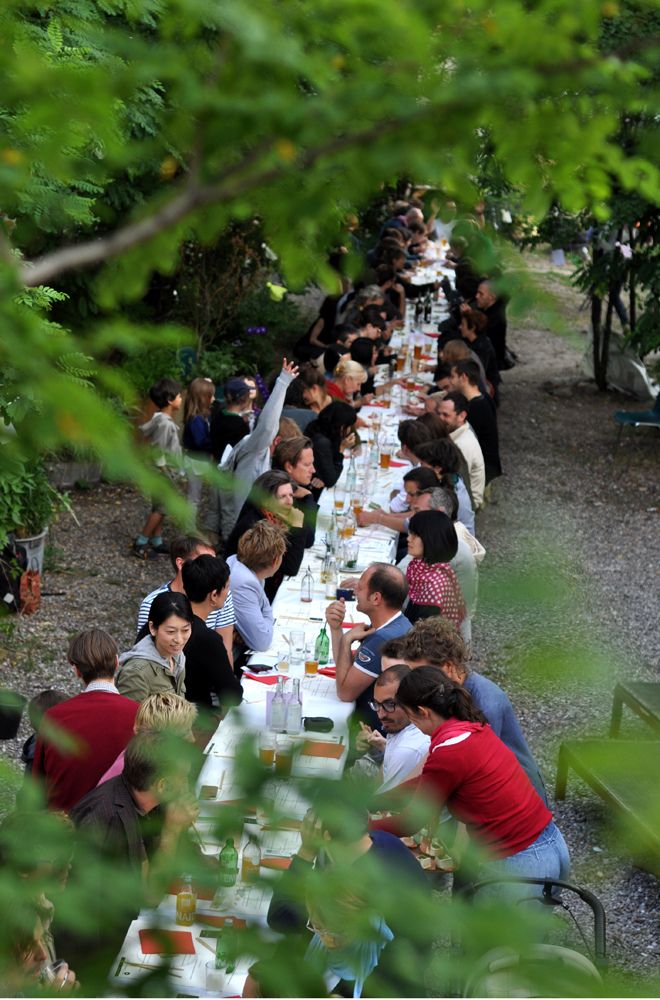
[{"x": 191, "y": 197}]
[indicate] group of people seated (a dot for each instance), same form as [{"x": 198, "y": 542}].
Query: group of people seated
[{"x": 427, "y": 727}]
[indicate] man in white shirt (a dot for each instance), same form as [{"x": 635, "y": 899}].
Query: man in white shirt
[
  {"x": 453, "y": 411},
  {"x": 404, "y": 746}
]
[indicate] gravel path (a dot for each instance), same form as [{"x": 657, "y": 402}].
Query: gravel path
[{"x": 568, "y": 601}]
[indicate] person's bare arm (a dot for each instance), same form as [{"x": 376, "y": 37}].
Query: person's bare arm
[
  {"x": 351, "y": 682},
  {"x": 387, "y": 519}
]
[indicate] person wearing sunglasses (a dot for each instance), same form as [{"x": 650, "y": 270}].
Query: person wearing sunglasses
[{"x": 404, "y": 747}]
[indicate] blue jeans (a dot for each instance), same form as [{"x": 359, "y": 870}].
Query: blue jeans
[{"x": 547, "y": 857}]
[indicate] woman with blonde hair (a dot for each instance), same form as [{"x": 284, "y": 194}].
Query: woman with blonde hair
[
  {"x": 197, "y": 433},
  {"x": 346, "y": 380},
  {"x": 159, "y": 712},
  {"x": 258, "y": 557}
]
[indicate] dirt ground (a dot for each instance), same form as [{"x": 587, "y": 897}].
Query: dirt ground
[{"x": 568, "y": 590}]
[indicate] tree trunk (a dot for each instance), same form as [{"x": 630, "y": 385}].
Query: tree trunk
[{"x": 600, "y": 374}]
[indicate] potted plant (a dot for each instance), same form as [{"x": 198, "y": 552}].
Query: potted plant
[
  {"x": 11, "y": 713},
  {"x": 28, "y": 505}
]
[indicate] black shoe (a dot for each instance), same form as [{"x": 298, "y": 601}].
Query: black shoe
[
  {"x": 144, "y": 552},
  {"x": 162, "y": 549}
]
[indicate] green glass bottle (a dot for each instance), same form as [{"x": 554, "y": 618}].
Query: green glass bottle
[
  {"x": 225, "y": 957},
  {"x": 322, "y": 647},
  {"x": 228, "y": 865}
]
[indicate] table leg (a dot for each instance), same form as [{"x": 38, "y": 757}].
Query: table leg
[
  {"x": 617, "y": 709},
  {"x": 562, "y": 773}
]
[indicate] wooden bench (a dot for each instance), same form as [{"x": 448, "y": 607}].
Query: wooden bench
[
  {"x": 626, "y": 775},
  {"x": 643, "y": 698}
]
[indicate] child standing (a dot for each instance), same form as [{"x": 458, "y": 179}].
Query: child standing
[
  {"x": 197, "y": 433},
  {"x": 162, "y": 433}
]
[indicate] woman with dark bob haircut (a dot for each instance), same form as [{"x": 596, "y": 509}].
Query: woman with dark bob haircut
[
  {"x": 479, "y": 779},
  {"x": 157, "y": 663},
  {"x": 433, "y": 586},
  {"x": 331, "y": 432}
]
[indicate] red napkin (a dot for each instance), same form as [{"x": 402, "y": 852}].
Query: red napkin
[
  {"x": 398, "y": 465},
  {"x": 426, "y": 357},
  {"x": 434, "y": 335},
  {"x": 328, "y": 671},
  {"x": 161, "y": 942},
  {"x": 271, "y": 679},
  {"x": 280, "y": 863}
]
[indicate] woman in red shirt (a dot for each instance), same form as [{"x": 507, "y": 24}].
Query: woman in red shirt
[
  {"x": 433, "y": 586},
  {"x": 479, "y": 779}
]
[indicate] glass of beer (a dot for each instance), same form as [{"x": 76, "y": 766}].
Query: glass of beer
[
  {"x": 339, "y": 500},
  {"x": 385, "y": 457},
  {"x": 400, "y": 362},
  {"x": 311, "y": 663},
  {"x": 283, "y": 756},
  {"x": 267, "y": 749},
  {"x": 357, "y": 504},
  {"x": 417, "y": 352}
]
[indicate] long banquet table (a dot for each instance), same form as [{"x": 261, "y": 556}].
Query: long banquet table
[{"x": 247, "y": 901}]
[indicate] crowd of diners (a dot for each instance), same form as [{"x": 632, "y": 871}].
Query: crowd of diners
[{"x": 426, "y": 726}]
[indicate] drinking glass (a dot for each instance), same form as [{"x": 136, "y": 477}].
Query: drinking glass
[
  {"x": 283, "y": 755},
  {"x": 311, "y": 663},
  {"x": 267, "y": 748},
  {"x": 297, "y": 637}
]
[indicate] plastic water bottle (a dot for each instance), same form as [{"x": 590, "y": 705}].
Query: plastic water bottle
[{"x": 278, "y": 708}]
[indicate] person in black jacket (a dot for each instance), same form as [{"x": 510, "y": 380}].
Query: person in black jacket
[
  {"x": 473, "y": 325},
  {"x": 271, "y": 498},
  {"x": 210, "y": 680},
  {"x": 296, "y": 457},
  {"x": 331, "y": 432}
]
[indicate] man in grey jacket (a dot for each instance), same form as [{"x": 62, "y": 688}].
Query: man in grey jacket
[{"x": 252, "y": 455}]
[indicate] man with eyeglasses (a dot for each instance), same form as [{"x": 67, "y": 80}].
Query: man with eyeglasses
[{"x": 404, "y": 746}]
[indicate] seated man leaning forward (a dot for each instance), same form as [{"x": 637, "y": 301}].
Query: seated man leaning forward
[
  {"x": 404, "y": 746},
  {"x": 436, "y": 643},
  {"x": 380, "y": 593}
]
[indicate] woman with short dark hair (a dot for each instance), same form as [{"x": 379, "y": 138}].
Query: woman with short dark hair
[
  {"x": 433, "y": 586},
  {"x": 157, "y": 662}
]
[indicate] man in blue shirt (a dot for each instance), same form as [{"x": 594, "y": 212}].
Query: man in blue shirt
[
  {"x": 380, "y": 593},
  {"x": 435, "y": 642}
]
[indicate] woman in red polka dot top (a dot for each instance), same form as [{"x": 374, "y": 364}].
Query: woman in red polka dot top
[{"x": 432, "y": 583}]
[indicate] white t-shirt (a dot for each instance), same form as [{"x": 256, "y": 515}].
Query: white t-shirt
[{"x": 404, "y": 752}]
